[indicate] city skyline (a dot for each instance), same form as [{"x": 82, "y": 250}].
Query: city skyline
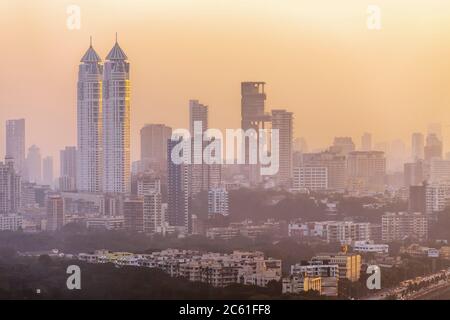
[{"x": 403, "y": 107}]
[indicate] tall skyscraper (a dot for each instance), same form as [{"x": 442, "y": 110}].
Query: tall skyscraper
[
  {"x": 47, "y": 171},
  {"x": 116, "y": 122},
  {"x": 68, "y": 169},
  {"x": 366, "y": 142},
  {"x": 154, "y": 145},
  {"x": 253, "y": 116},
  {"x": 283, "y": 122},
  {"x": 433, "y": 147},
  {"x": 34, "y": 164},
  {"x": 56, "y": 215},
  {"x": 198, "y": 115},
  {"x": 15, "y": 142},
  {"x": 178, "y": 213},
  {"x": 417, "y": 146},
  {"x": 89, "y": 115},
  {"x": 10, "y": 187}
]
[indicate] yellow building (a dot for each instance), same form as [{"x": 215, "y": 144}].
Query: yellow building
[
  {"x": 349, "y": 264},
  {"x": 310, "y": 283}
]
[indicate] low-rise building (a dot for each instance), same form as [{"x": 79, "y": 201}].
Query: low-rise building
[
  {"x": 105, "y": 222},
  {"x": 369, "y": 246},
  {"x": 298, "y": 283},
  {"x": 327, "y": 273},
  {"x": 216, "y": 269}
]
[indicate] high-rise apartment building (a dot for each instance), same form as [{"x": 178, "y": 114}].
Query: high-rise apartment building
[
  {"x": 345, "y": 232},
  {"x": 68, "y": 169},
  {"x": 154, "y": 146},
  {"x": 433, "y": 147},
  {"x": 198, "y": 119},
  {"x": 417, "y": 199},
  {"x": 56, "y": 215},
  {"x": 116, "y": 122},
  {"x": 336, "y": 167},
  {"x": 90, "y": 123},
  {"x": 10, "y": 188},
  {"x": 15, "y": 143},
  {"x": 47, "y": 171},
  {"x": 217, "y": 202},
  {"x": 34, "y": 165},
  {"x": 146, "y": 183},
  {"x": 402, "y": 225},
  {"x": 178, "y": 213},
  {"x": 153, "y": 220},
  {"x": 413, "y": 173},
  {"x": 437, "y": 197},
  {"x": 368, "y": 169},
  {"x": 133, "y": 213},
  {"x": 283, "y": 122},
  {"x": 310, "y": 178}
]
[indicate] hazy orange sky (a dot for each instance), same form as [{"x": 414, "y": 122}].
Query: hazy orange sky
[{"x": 318, "y": 58}]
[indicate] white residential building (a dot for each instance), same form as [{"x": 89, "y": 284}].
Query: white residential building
[
  {"x": 105, "y": 222},
  {"x": 89, "y": 123},
  {"x": 10, "y": 222},
  {"x": 401, "y": 225},
  {"x": 437, "y": 196},
  {"x": 308, "y": 229},
  {"x": 345, "y": 232},
  {"x": 116, "y": 122},
  {"x": 310, "y": 178},
  {"x": 153, "y": 219},
  {"x": 217, "y": 202},
  {"x": 216, "y": 269},
  {"x": 369, "y": 246}
]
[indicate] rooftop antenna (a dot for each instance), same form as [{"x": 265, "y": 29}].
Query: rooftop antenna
[
  {"x": 90, "y": 41},
  {"x": 116, "y": 37}
]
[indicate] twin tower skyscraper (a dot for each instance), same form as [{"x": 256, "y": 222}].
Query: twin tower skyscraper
[{"x": 103, "y": 113}]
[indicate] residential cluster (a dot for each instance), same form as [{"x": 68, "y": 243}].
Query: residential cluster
[{"x": 216, "y": 269}]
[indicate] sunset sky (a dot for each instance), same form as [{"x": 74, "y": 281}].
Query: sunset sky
[{"x": 318, "y": 58}]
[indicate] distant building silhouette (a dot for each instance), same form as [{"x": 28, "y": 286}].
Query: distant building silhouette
[
  {"x": 15, "y": 143},
  {"x": 433, "y": 147},
  {"x": 283, "y": 122},
  {"x": 34, "y": 165},
  {"x": 154, "y": 146},
  {"x": 417, "y": 146}
]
